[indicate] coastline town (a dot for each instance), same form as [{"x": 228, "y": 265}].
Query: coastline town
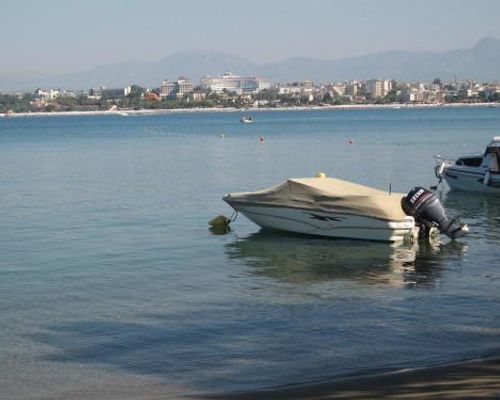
[{"x": 231, "y": 91}]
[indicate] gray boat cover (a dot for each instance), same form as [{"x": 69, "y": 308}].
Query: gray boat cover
[{"x": 326, "y": 194}]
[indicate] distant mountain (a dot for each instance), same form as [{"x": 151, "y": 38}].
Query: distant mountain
[{"x": 478, "y": 62}]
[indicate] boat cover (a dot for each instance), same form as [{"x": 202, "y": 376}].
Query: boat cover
[{"x": 326, "y": 194}]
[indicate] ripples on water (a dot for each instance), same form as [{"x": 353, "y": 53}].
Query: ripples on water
[{"x": 109, "y": 276}]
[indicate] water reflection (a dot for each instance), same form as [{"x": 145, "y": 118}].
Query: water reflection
[
  {"x": 472, "y": 205},
  {"x": 431, "y": 260},
  {"x": 302, "y": 260},
  {"x": 481, "y": 212}
]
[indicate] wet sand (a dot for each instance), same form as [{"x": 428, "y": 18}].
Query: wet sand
[{"x": 468, "y": 380}]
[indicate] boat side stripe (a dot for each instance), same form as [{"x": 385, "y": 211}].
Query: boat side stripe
[{"x": 317, "y": 227}]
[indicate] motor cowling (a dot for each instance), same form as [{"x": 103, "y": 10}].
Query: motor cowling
[{"x": 425, "y": 207}]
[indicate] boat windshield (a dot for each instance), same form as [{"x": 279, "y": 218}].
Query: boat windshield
[{"x": 470, "y": 161}]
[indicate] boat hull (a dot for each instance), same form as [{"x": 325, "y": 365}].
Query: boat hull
[
  {"x": 471, "y": 181},
  {"x": 334, "y": 225}
]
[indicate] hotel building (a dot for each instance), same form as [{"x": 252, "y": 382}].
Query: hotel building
[{"x": 235, "y": 83}]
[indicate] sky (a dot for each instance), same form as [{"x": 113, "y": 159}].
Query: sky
[{"x": 58, "y": 36}]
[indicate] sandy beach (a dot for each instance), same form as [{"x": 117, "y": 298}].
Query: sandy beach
[{"x": 126, "y": 113}]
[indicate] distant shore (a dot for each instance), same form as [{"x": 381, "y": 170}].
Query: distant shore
[{"x": 125, "y": 112}]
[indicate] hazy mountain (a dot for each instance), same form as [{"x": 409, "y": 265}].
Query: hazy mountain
[{"x": 478, "y": 62}]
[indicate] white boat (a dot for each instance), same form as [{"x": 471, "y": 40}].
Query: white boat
[
  {"x": 246, "y": 120},
  {"x": 474, "y": 172},
  {"x": 335, "y": 208}
]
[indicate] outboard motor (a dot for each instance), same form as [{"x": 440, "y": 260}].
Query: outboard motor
[{"x": 426, "y": 208}]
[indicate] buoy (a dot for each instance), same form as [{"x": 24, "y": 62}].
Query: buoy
[
  {"x": 261, "y": 139},
  {"x": 351, "y": 141},
  {"x": 220, "y": 225},
  {"x": 320, "y": 175},
  {"x": 219, "y": 221}
]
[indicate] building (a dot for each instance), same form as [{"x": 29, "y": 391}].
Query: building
[
  {"x": 183, "y": 87},
  {"x": 490, "y": 91},
  {"x": 235, "y": 83},
  {"x": 351, "y": 89},
  {"x": 96, "y": 93},
  {"x": 47, "y": 94},
  {"x": 167, "y": 89},
  {"x": 197, "y": 95},
  {"x": 378, "y": 88},
  {"x": 290, "y": 89},
  {"x": 152, "y": 96},
  {"x": 295, "y": 88},
  {"x": 176, "y": 90}
]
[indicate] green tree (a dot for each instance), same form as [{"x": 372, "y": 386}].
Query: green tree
[{"x": 390, "y": 97}]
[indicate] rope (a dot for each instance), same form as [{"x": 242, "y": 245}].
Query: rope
[{"x": 233, "y": 217}]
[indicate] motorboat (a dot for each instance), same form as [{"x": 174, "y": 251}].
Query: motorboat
[
  {"x": 323, "y": 206},
  {"x": 473, "y": 172},
  {"x": 246, "y": 120}
]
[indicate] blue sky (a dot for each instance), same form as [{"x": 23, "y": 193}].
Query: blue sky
[{"x": 56, "y": 36}]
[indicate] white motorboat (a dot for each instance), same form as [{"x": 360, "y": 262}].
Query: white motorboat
[
  {"x": 246, "y": 120},
  {"x": 474, "y": 172},
  {"x": 335, "y": 208}
]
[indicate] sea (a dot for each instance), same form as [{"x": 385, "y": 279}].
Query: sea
[{"x": 111, "y": 279}]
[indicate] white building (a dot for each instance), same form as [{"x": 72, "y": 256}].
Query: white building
[
  {"x": 303, "y": 87},
  {"x": 184, "y": 87},
  {"x": 351, "y": 88},
  {"x": 47, "y": 94},
  {"x": 178, "y": 89},
  {"x": 235, "y": 83},
  {"x": 378, "y": 88}
]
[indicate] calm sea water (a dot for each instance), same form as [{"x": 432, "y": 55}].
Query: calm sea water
[{"x": 110, "y": 277}]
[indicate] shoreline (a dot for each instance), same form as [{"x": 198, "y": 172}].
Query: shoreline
[
  {"x": 126, "y": 113},
  {"x": 478, "y": 378}
]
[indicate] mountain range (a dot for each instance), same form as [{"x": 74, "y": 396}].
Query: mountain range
[{"x": 479, "y": 62}]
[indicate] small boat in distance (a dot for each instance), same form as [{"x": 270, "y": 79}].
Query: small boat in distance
[
  {"x": 246, "y": 120},
  {"x": 474, "y": 172},
  {"x": 335, "y": 208}
]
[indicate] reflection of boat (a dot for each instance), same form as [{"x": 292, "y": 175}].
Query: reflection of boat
[
  {"x": 299, "y": 260},
  {"x": 294, "y": 258},
  {"x": 473, "y": 173},
  {"x": 246, "y": 120},
  {"x": 481, "y": 209},
  {"x": 340, "y": 209}
]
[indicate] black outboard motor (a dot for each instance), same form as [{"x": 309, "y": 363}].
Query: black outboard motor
[{"x": 426, "y": 208}]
